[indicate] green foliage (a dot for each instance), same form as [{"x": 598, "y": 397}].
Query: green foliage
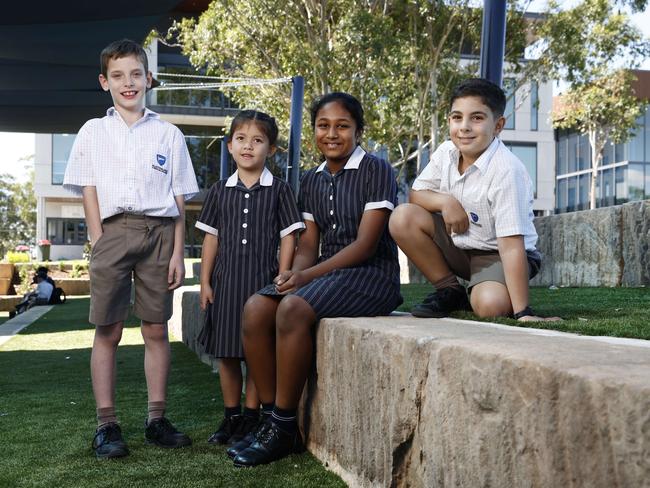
[
  {"x": 401, "y": 59},
  {"x": 79, "y": 268},
  {"x": 18, "y": 257},
  {"x": 17, "y": 212}
]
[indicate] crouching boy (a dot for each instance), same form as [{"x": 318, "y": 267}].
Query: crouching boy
[{"x": 470, "y": 215}]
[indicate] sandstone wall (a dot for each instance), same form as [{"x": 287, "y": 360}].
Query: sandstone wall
[
  {"x": 603, "y": 247},
  {"x": 442, "y": 403}
]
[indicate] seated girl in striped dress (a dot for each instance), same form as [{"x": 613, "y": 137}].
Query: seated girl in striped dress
[
  {"x": 244, "y": 218},
  {"x": 346, "y": 203}
]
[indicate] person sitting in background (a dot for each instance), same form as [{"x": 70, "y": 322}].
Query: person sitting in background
[{"x": 40, "y": 296}]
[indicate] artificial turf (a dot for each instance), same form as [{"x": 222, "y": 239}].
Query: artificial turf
[
  {"x": 47, "y": 416},
  {"x": 617, "y": 312}
]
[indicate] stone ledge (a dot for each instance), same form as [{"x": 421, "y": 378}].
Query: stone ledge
[{"x": 399, "y": 401}]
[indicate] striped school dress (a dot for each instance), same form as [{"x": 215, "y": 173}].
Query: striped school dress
[
  {"x": 249, "y": 223},
  {"x": 336, "y": 204}
]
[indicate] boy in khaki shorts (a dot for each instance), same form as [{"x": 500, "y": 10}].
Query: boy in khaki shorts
[
  {"x": 134, "y": 173},
  {"x": 470, "y": 215}
]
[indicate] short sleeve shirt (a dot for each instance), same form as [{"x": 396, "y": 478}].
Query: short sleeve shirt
[
  {"x": 336, "y": 203},
  {"x": 496, "y": 192},
  {"x": 138, "y": 169}
]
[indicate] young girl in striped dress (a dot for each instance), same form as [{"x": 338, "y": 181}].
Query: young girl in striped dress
[
  {"x": 244, "y": 218},
  {"x": 345, "y": 266}
]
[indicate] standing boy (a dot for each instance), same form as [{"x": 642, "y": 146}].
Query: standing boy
[
  {"x": 134, "y": 172},
  {"x": 471, "y": 215}
]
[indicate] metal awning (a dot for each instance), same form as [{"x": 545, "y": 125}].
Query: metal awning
[{"x": 49, "y": 56}]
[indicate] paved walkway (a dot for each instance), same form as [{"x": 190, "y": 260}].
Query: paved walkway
[{"x": 12, "y": 326}]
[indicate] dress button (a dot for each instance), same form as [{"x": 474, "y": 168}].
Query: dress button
[
  {"x": 247, "y": 195},
  {"x": 331, "y": 197},
  {"x": 331, "y": 212},
  {"x": 245, "y": 210},
  {"x": 244, "y": 225},
  {"x": 333, "y": 226},
  {"x": 244, "y": 241}
]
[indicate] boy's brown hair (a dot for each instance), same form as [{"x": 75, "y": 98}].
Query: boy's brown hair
[{"x": 122, "y": 49}]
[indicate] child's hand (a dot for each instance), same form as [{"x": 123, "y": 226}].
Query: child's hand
[
  {"x": 455, "y": 217},
  {"x": 207, "y": 296},
  {"x": 289, "y": 281},
  {"x": 176, "y": 273},
  {"x": 535, "y": 318}
]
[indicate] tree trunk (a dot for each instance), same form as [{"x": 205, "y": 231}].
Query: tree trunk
[{"x": 597, "y": 143}]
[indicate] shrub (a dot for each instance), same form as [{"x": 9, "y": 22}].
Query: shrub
[
  {"x": 79, "y": 269},
  {"x": 18, "y": 257}
]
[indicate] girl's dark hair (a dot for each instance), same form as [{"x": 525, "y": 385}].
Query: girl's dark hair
[
  {"x": 491, "y": 94},
  {"x": 351, "y": 104},
  {"x": 264, "y": 121}
]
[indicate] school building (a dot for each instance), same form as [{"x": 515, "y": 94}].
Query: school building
[{"x": 624, "y": 174}]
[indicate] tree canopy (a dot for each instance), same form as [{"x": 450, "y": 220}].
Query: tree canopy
[{"x": 17, "y": 212}]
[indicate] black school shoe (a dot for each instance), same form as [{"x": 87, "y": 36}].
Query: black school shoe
[
  {"x": 108, "y": 442},
  {"x": 226, "y": 429},
  {"x": 442, "y": 302},
  {"x": 271, "y": 444},
  {"x": 162, "y": 433},
  {"x": 245, "y": 427},
  {"x": 237, "y": 447}
]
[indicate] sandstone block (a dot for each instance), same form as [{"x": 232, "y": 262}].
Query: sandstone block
[
  {"x": 636, "y": 243},
  {"x": 399, "y": 401}
]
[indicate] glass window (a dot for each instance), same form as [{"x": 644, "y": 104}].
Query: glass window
[
  {"x": 584, "y": 153},
  {"x": 585, "y": 185},
  {"x": 67, "y": 231},
  {"x": 572, "y": 193},
  {"x": 204, "y": 146},
  {"x": 636, "y": 182},
  {"x": 647, "y": 180},
  {"x": 562, "y": 146},
  {"x": 61, "y": 147},
  {"x": 572, "y": 153},
  {"x": 509, "y": 88},
  {"x": 635, "y": 144},
  {"x": 561, "y": 195},
  {"x": 621, "y": 185},
  {"x": 608, "y": 153},
  {"x": 619, "y": 153},
  {"x": 607, "y": 195},
  {"x": 527, "y": 154},
  {"x": 534, "y": 105}
]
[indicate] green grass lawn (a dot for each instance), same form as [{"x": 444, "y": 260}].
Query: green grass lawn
[
  {"x": 47, "y": 417},
  {"x": 617, "y": 312}
]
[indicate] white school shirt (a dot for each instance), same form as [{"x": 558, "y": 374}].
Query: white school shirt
[
  {"x": 496, "y": 192},
  {"x": 137, "y": 169},
  {"x": 44, "y": 290}
]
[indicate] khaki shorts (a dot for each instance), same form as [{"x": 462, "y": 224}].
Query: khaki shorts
[
  {"x": 132, "y": 247},
  {"x": 473, "y": 265}
]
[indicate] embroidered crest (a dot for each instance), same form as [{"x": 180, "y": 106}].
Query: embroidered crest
[
  {"x": 474, "y": 217},
  {"x": 161, "y": 159}
]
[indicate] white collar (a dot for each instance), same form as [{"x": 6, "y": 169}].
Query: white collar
[
  {"x": 483, "y": 160},
  {"x": 147, "y": 113},
  {"x": 266, "y": 178},
  {"x": 353, "y": 162}
]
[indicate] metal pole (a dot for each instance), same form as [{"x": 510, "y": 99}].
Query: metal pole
[
  {"x": 295, "y": 131},
  {"x": 493, "y": 40},
  {"x": 224, "y": 168}
]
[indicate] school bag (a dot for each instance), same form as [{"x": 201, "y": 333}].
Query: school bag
[{"x": 58, "y": 297}]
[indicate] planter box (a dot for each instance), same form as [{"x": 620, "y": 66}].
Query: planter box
[
  {"x": 74, "y": 286},
  {"x": 6, "y": 270}
]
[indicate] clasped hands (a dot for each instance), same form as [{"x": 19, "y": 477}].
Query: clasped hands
[{"x": 289, "y": 281}]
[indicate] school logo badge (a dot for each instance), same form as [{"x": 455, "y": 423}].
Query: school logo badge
[
  {"x": 474, "y": 217},
  {"x": 161, "y": 160}
]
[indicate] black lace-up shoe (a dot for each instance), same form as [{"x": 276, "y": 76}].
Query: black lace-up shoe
[
  {"x": 108, "y": 442},
  {"x": 248, "y": 439},
  {"x": 226, "y": 429},
  {"x": 271, "y": 444},
  {"x": 162, "y": 433},
  {"x": 246, "y": 426},
  {"x": 442, "y": 302}
]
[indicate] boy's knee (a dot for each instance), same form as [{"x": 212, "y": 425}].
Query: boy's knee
[
  {"x": 109, "y": 334},
  {"x": 400, "y": 219},
  {"x": 154, "y": 332},
  {"x": 491, "y": 303}
]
